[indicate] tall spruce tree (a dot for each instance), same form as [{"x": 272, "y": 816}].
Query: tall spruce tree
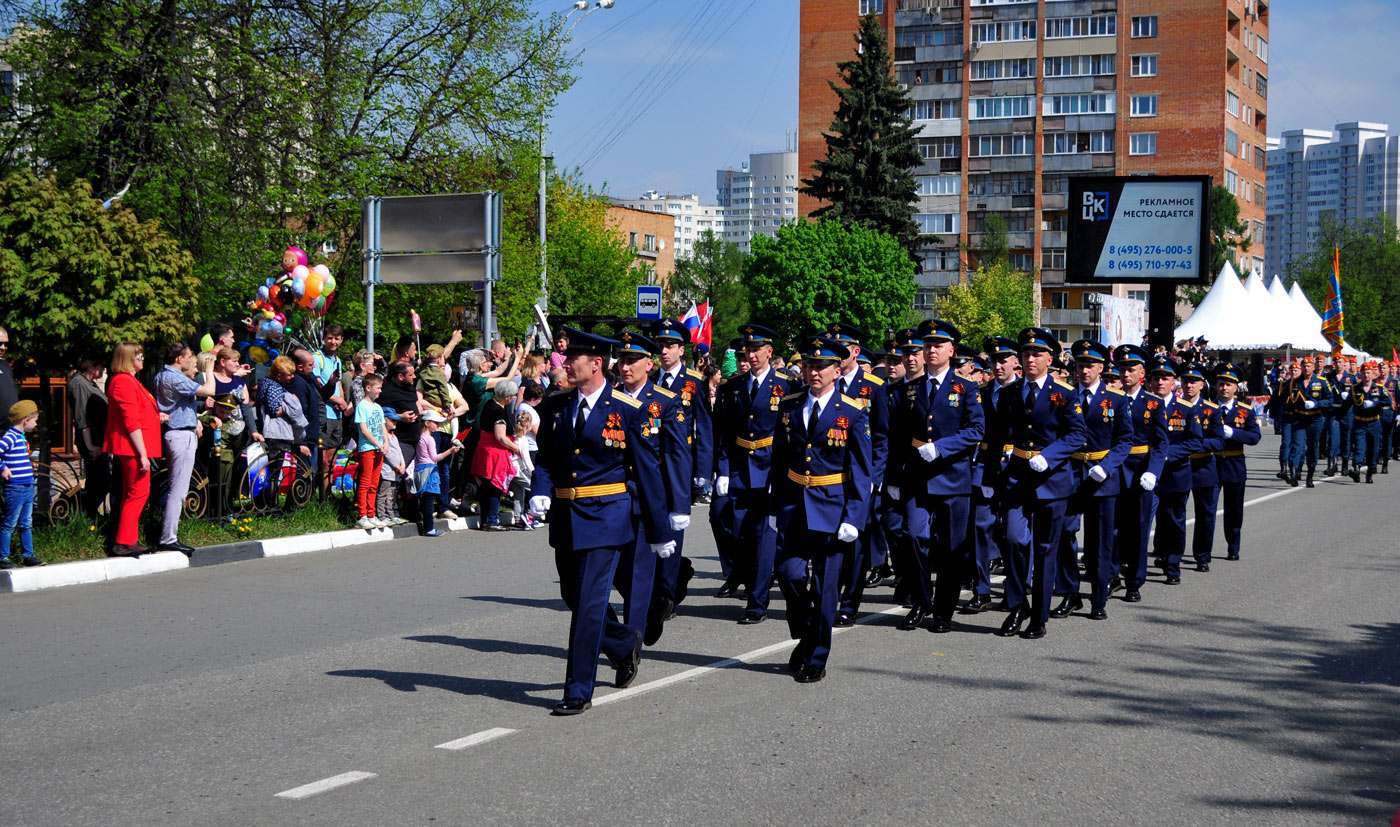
[{"x": 867, "y": 176}]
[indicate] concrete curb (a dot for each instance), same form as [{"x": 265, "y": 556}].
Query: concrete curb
[{"x": 83, "y": 572}]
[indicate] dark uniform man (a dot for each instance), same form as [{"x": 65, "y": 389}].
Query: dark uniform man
[
  {"x": 1390, "y": 381},
  {"x": 1338, "y": 433},
  {"x": 668, "y": 447},
  {"x": 1283, "y": 418},
  {"x": 1205, "y": 479},
  {"x": 1042, "y": 421},
  {"x": 1368, "y": 399},
  {"x": 596, "y": 467},
  {"x": 822, "y": 463},
  {"x": 1141, "y": 469},
  {"x": 909, "y": 345},
  {"x": 746, "y": 412},
  {"x": 937, "y": 426},
  {"x": 688, "y": 385},
  {"x": 1309, "y": 399},
  {"x": 1098, "y": 479},
  {"x": 1239, "y": 428},
  {"x": 989, "y": 510},
  {"x": 1186, "y": 438},
  {"x": 867, "y": 389}
]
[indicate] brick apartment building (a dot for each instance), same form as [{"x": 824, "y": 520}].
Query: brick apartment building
[
  {"x": 1012, "y": 97},
  {"x": 651, "y": 237}
]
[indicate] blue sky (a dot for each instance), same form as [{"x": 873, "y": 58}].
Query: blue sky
[{"x": 671, "y": 90}]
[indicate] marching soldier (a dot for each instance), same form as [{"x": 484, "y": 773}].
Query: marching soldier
[
  {"x": 989, "y": 512},
  {"x": 1186, "y": 438},
  {"x": 746, "y": 412},
  {"x": 1283, "y": 419},
  {"x": 1141, "y": 469},
  {"x": 688, "y": 385},
  {"x": 909, "y": 346},
  {"x": 822, "y": 464},
  {"x": 1239, "y": 428},
  {"x": 937, "y": 426},
  {"x": 1205, "y": 480},
  {"x": 596, "y": 470},
  {"x": 1369, "y": 398},
  {"x": 1098, "y": 475},
  {"x": 1043, "y": 423},
  {"x": 867, "y": 389},
  {"x": 1391, "y": 384},
  {"x": 1339, "y": 418},
  {"x": 1309, "y": 399}
]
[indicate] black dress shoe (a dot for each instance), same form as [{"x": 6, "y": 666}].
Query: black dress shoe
[
  {"x": 843, "y": 620},
  {"x": 1115, "y": 584},
  {"x": 1132, "y": 596},
  {"x": 126, "y": 551},
  {"x": 799, "y": 654},
  {"x": 1070, "y": 603},
  {"x": 176, "y": 546},
  {"x": 1203, "y": 567},
  {"x": 1355, "y": 475},
  {"x": 752, "y": 618},
  {"x": 1035, "y": 631},
  {"x": 729, "y": 589},
  {"x": 940, "y": 626},
  {"x": 809, "y": 674},
  {"x": 1099, "y": 613},
  {"x": 1234, "y": 555},
  {"x": 31, "y": 562},
  {"x": 1012, "y": 625},
  {"x": 979, "y": 603},
  {"x": 683, "y": 583},
  {"x": 627, "y": 670},
  {"x": 1173, "y": 579},
  {"x": 567, "y": 707},
  {"x": 1293, "y": 480},
  {"x": 912, "y": 621},
  {"x": 656, "y": 621}
]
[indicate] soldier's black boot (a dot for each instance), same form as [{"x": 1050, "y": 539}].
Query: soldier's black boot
[
  {"x": 1370, "y": 474},
  {"x": 1355, "y": 473},
  {"x": 1293, "y": 478},
  {"x": 1310, "y": 477},
  {"x": 1329, "y": 471}
]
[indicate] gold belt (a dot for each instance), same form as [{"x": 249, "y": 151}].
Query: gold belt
[
  {"x": 1231, "y": 452},
  {"x": 1024, "y": 453},
  {"x": 917, "y": 443},
  {"x": 816, "y": 480},
  {"x": 1088, "y": 456},
  {"x": 753, "y": 445},
  {"x": 1139, "y": 450},
  {"x": 586, "y": 491},
  {"x": 1203, "y": 455}
]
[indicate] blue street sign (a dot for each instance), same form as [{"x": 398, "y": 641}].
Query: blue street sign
[{"x": 649, "y": 302}]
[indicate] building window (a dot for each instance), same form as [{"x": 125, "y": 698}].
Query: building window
[
  {"x": 1001, "y": 107},
  {"x": 1059, "y": 299},
  {"x": 985, "y": 146},
  {"x": 1144, "y": 66},
  {"x": 939, "y": 184},
  {"x": 1020, "y": 261},
  {"x": 1003, "y": 31},
  {"x": 1079, "y": 66},
  {"x": 1261, "y": 48},
  {"x": 1095, "y": 104},
  {"x": 1142, "y": 143},
  {"x": 936, "y": 110},
  {"x": 1099, "y": 25},
  {"x": 1261, "y": 85},
  {"x": 936, "y": 222},
  {"x": 1052, "y": 258},
  {"x": 1144, "y": 106},
  {"x": 1232, "y": 103},
  {"x": 1077, "y": 143},
  {"x": 998, "y": 69},
  {"x": 931, "y": 148},
  {"x": 870, "y": 7},
  {"x": 1232, "y": 182},
  {"x": 941, "y": 36},
  {"x": 1145, "y": 25},
  {"x": 925, "y": 299},
  {"x": 1000, "y": 184}
]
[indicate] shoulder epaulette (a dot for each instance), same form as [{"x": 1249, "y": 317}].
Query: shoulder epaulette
[
  {"x": 1061, "y": 384},
  {"x": 793, "y": 396},
  {"x": 873, "y": 379},
  {"x": 1115, "y": 392},
  {"x": 854, "y": 403},
  {"x": 622, "y": 397},
  {"x": 1212, "y": 405},
  {"x": 694, "y": 374},
  {"x": 664, "y": 392}
]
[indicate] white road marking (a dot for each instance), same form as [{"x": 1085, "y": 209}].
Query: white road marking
[
  {"x": 476, "y": 738},
  {"x": 325, "y": 785}
]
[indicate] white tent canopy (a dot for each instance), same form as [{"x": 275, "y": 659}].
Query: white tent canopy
[
  {"x": 1308, "y": 322},
  {"x": 1233, "y": 316}
]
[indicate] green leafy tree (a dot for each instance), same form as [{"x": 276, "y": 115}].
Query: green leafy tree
[
  {"x": 995, "y": 247},
  {"x": 714, "y": 272},
  {"x": 1370, "y": 269},
  {"x": 999, "y": 300},
  {"x": 867, "y": 175},
  {"x": 816, "y": 273}
]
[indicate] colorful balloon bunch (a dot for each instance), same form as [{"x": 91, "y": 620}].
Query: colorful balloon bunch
[{"x": 311, "y": 289}]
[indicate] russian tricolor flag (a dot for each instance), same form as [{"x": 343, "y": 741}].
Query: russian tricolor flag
[{"x": 697, "y": 321}]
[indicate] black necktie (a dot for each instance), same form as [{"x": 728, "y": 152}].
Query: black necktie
[
  {"x": 753, "y": 391},
  {"x": 812, "y": 420},
  {"x": 581, "y": 419},
  {"x": 1031, "y": 391},
  {"x": 844, "y": 386},
  {"x": 932, "y": 391}
]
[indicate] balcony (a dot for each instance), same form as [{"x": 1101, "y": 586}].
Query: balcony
[{"x": 1050, "y": 317}]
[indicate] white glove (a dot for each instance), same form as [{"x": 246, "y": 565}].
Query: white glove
[
  {"x": 1308, "y": 404},
  {"x": 928, "y": 452},
  {"x": 847, "y": 533},
  {"x": 1097, "y": 474},
  {"x": 722, "y": 486},
  {"x": 773, "y": 521},
  {"x": 539, "y": 506},
  {"x": 893, "y": 491},
  {"x": 1227, "y": 431},
  {"x": 1368, "y": 404},
  {"x": 680, "y": 522},
  {"x": 699, "y": 482},
  {"x": 1148, "y": 481},
  {"x": 664, "y": 550},
  {"x": 987, "y": 491},
  {"x": 1345, "y": 394},
  {"x": 1038, "y": 463}
]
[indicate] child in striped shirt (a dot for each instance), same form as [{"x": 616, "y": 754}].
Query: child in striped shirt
[{"x": 17, "y": 470}]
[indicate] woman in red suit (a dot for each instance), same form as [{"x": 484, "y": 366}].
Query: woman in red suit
[{"x": 133, "y": 437}]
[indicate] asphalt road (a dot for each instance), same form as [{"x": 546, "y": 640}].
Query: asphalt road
[{"x": 1264, "y": 692}]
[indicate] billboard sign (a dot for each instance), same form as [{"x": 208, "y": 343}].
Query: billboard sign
[{"x": 1153, "y": 228}]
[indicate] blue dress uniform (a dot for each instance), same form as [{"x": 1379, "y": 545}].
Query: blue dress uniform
[
  {"x": 1108, "y": 440},
  {"x": 1239, "y": 428},
  {"x": 595, "y": 463},
  {"x": 989, "y": 509},
  {"x": 1339, "y": 422},
  {"x": 1205, "y": 479},
  {"x": 674, "y": 573},
  {"x": 939, "y": 416},
  {"x": 899, "y": 558},
  {"x": 1141, "y": 472},
  {"x": 666, "y": 447},
  {"x": 821, "y": 482},
  {"x": 868, "y": 390},
  {"x": 1369, "y": 400},
  {"x": 1283, "y": 423},
  {"x": 1309, "y": 399},
  {"x": 1044, "y": 424},
  {"x": 1186, "y": 439},
  {"x": 1388, "y": 423},
  {"x": 745, "y": 416}
]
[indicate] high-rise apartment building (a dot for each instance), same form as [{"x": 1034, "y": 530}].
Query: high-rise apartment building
[
  {"x": 759, "y": 197},
  {"x": 693, "y": 218},
  {"x": 1014, "y": 97},
  {"x": 1349, "y": 176}
]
